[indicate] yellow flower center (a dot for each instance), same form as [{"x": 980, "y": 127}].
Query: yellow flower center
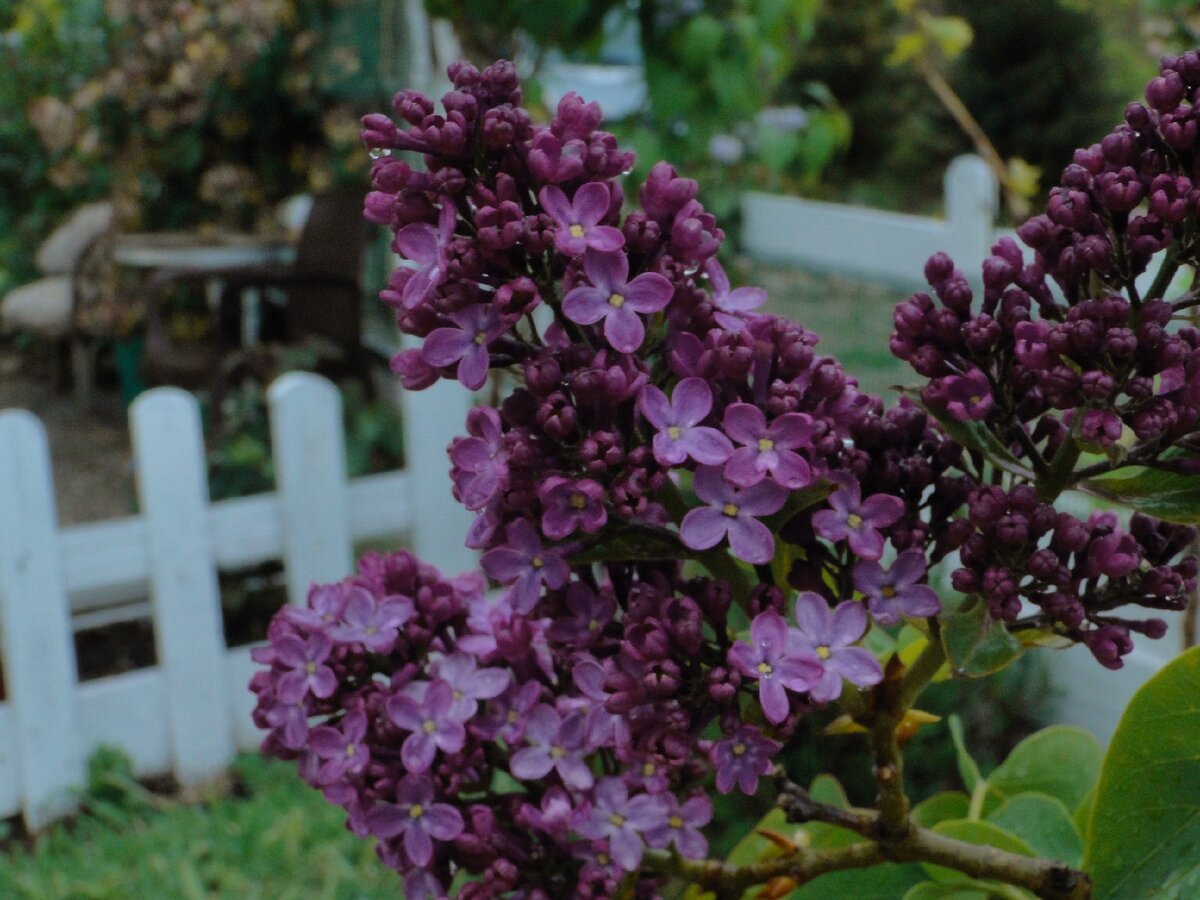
[
  {"x": 616, "y": 300},
  {"x": 765, "y": 668},
  {"x": 765, "y": 444},
  {"x": 674, "y": 432},
  {"x": 975, "y": 398},
  {"x": 594, "y": 625},
  {"x": 578, "y": 501},
  {"x": 371, "y": 629},
  {"x": 823, "y": 652},
  {"x": 513, "y": 717},
  {"x": 536, "y": 562},
  {"x": 730, "y": 510},
  {"x": 576, "y": 231},
  {"x": 350, "y": 750},
  {"x": 648, "y": 770},
  {"x": 429, "y": 726},
  {"x": 854, "y": 520},
  {"x": 675, "y": 822},
  {"x": 458, "y": 695},
  {"x": 617, "y": 819},
  {"x": 739, "y": 749},
  {"x": 416, "y": 811},
  {"x": 310, "y": 667},
  {"x": 557, "y": 752},
  {"x": 888, "y": 591},
  {"x": 481, "y": 338}
]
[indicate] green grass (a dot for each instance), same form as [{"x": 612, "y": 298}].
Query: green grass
[{"x": 278, "y": 840}]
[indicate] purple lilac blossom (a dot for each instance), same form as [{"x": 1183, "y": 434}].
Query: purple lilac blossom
[
  {"x": 417, "y": 817},
  {"x": 968, "y": 397},
  {"x": 373, "y": 623},
  {"x": 679, "y": 433},
  {"x": 682, "y": 828},
  {"x": 469, "y": 683},
  {"x": 897, "y": 591},
  {"x": 767, "y": 449},
  {"x": 325, "y": 605},
  {"x": 480, "y": 461},
  {"x": 569, "y": 505},
  {"x": 732, "y": 305},
  {"x": 743, "y": 758},
  {"x": 430, "y": 723},
  {"x": 621, "y": 821},
  {"x": 830, "y": 635},
  {"x": 616, "y": 300},
  {"x": 732, "y": 512},
  {"x": 772, "y": 658},
  {"x": 466, "y": 344},
  {"x": 526, "y": 565},
  {"x": 342, "y": 749},
  {"x": 858, "y": 521},
  {"x": 308, "y": 671},
  {"x": 426, "y": 245},
  {"x": 590, "y": 611},
  {"x": 554, "y": 744},
  {"x": 577, "y": 222}
]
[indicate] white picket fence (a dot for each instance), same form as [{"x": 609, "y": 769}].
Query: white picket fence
[{"x": 190, "y": 713}]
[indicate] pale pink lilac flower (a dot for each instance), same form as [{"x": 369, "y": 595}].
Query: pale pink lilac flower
[
  {"x": 431, "y": 725},
  {"x": 616, "y": 300},
  {"x": 742, "y": 759},
  {"x": 772, "y": 658},
  {"x": 417, "y": 817},
  {"x": 767, "y": 449},
  {"x": 621, "y": 820},
  {"x": 426, "y": 246},
  {"x": 897, "y": 591},
  {"x": 830, "y": 635},
  {"x": 732, "y": 305},
  {"x": 467, "y": 345},
  {"x": 850, "y": 518},
  {"x": 679, "y": 433},
  {"x": 732, "y": 512},
  {"x": 526, "y": 565},
  {"x": 577, "y": 221}
]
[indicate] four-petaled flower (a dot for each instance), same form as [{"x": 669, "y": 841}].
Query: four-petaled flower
[
  {"x": 679, "y": 433},
  {"x": 590, "y": 612},
  {"x": 373, "y": 623},
  {"x": 616, "y": 300},
  {"x": 467, "y": 345},
  {"x": 615, "y": 817},
  {"x": 341, "y": 749},
  {"x": 553, "y": 744},
  {"x": 308, "y": 672},
  {"x": 416, "y": 816},
  {"x": 773, "y": 658},
  {"x": 469, "y": 684},
  {"x": 577, "y": 222},
  {"x": 525, "y": 564},
  {"x": 431, "y": 725},
  {"x": 732, "y": 511},
  {"x": 731, "y": 305},
  {"x": 767, "y": 449},
  {"x": 742, "y": 759},
  {"x": 858, "y": 521},
  {"x": 567, "y": 505},
  {"x": 426, "y": 246},
  {"x": 480, "y": 461},
  {"x": 830, "y": 634},
  {"x": 968, "y": 397},
  {"x": 684, "y": 821},
  {"x": 895, "y": 592}
]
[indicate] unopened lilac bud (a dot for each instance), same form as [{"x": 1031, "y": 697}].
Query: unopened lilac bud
[
  {"x": 1119, "y": 191},
  {"x": 1108, "y": 644},
  {"x": 1165, "y": 92}
]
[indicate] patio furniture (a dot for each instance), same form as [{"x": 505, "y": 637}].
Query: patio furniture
[{"x": 315, "y": 300}]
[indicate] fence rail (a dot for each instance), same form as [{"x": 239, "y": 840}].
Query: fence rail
[{"x": 191, "y": 712}]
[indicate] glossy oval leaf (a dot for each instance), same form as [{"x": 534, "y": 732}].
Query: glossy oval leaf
[
  {"x": 1165, "y": 495},
  {"x": 885, "y": 882},
  {"x": 939, "y": 890},
  {"x": 1062, "y": 761},
  {"x": 1044, "y": 823},
  {"x": 977, "y": 645},
  {"x": 940, "y": 808},
  {"x": 1144, "y": 832}
]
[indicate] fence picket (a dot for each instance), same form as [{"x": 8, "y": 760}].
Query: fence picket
[
  {"x": 310, "y": 474},
  {"x": 173, "y": 490},
  {"x": 35, "y": 623}
]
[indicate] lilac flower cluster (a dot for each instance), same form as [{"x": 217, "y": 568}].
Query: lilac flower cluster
[
  {"x": 541, "y": 733},
  {"x": 1070, "y": 353}
]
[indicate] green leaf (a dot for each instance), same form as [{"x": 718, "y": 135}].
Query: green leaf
[
  {"x": 701, "y": 41},
  {"x": 983, "y": 833},
  {"x": 1044, "y": 823},
  {"x": 1165, "y": 495},
  {"x": 1062, "y": 761},
  {"x": 1144, "y": 833},
  {"x": 968, "y": 770},
  {"x": 754, "y": 847},
  {"x": 1083, "y": 812},
  {"x": 936, "y": 890},
  {"x": 885, "y": 882},
  {"x": 645, "y": 542},
  {"x": 940, "y": 808},
  {"x": 827, "y": 789},
  {"x": 952, "y": 34},
  {"x": 907, "y": 48},
  {"x": 977, "y": 645}
]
